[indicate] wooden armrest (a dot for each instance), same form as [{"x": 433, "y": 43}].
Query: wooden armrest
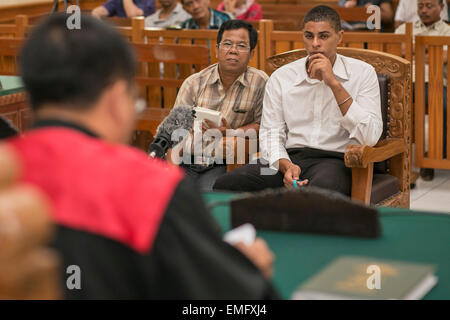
[{"x": 359, "y": 156}]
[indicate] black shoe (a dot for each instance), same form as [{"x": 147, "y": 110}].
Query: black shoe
[{"x": 427, "y": 174}]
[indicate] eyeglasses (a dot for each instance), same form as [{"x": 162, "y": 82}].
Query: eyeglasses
[{"x": 241, "y": 47}]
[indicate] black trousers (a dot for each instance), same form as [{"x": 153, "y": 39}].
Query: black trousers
[{"x": 323, "y": 169}]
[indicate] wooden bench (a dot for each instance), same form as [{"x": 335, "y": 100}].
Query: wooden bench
[
  {"x": 434, "y": 157},
  {"x": 11, "y": 8},
  {"x": 16, "y": 29},
  {"x": 164, "y": 67},
  {"x": 397, "y": 44},
  {"x": 162, "y": 70},
  {"x": 205, "y": 38},
  {"x": 298, "y": 12},
  {"x": 9, "y": 52}
]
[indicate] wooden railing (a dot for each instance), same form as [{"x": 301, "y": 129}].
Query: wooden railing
[
  {"x": 397, "y": 44},
  {"x": 438, "y": 125}
]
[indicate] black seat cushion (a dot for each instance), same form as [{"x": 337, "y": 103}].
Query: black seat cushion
[
  {"x": 385, "y": 93},
  {"x": 383, "y": 187}
]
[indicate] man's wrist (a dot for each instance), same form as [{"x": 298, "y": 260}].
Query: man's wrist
[
  {"x": 284, "y": 165},
  {"x": 335, "y": 84}
]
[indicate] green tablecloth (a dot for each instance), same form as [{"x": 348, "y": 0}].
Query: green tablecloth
[
  {"x": 406, "y": 235},
  {"x": 10, "y": 85}
]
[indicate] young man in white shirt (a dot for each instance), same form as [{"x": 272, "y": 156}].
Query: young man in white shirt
[{"x": 313, "y": 108}]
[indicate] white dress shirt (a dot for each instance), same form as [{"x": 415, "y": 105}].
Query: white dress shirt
[
  {"x": 302, "y": 112},
  {"x": 407, "y": 11}
]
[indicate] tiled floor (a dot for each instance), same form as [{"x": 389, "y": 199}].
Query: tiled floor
[{"x": 432, "y": 195}]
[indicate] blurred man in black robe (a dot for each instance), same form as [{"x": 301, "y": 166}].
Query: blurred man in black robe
[{"x": 133, "y": 226}]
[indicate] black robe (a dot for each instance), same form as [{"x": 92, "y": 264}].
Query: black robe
[{"x": 113, "y": 224}]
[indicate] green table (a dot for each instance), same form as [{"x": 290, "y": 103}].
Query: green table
[
  {"x": 406, "y": 235},
  {"x": 10, "y": 85}
]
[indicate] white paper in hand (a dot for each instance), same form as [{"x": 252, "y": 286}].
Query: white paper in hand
[
  {"x": 212, "y": 115},
  {"x": 245, "y": 233}
]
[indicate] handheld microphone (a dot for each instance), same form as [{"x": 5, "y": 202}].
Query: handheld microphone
[{"x": 178, "y": 118}]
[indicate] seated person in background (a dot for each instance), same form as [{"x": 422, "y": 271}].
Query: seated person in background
[
  {"x": 229, "y": 86},
  {"x": 430, "y": 23},
  {"x": 203, "y": 17},
  {"x": 170, "y": 14},
  {"x": 125, "y": 8},
  {"x": 387, "y": 13},
  {"x": 407, "y": 12},
  {"x": 136, "y": 227},
  {"x": 313, "y": 109},
  {"x": 242, "y": 9}
]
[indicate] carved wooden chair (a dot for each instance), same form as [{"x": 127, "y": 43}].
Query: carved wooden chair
[
  {"x": 388, "y": 184},
  {"x": 29, "y": 269}
]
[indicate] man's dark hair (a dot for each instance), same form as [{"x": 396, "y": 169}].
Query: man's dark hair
[
  {"x": 239, "y": 24},
  {"x": 72, "y": 68},
  {"x": 323, "y": 13}
]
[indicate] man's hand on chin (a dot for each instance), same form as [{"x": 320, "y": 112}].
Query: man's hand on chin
[{"x": 320, "y": 68}]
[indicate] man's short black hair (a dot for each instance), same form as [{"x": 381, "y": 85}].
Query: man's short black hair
[
  {"x": 239, "y": 24},
  {"x": 323, "y": 13},
  {"x": 71, "y": 68}
]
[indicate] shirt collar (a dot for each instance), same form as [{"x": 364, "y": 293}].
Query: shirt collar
[
  {"x": 215, "y": 77},
  {"x": 339, "y": 70},
  {"x": 434, "y": 26},
  {"x": 243, "y": 78}
]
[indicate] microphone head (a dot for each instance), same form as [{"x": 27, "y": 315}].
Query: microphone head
[{"x": 179, "y": 118}]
